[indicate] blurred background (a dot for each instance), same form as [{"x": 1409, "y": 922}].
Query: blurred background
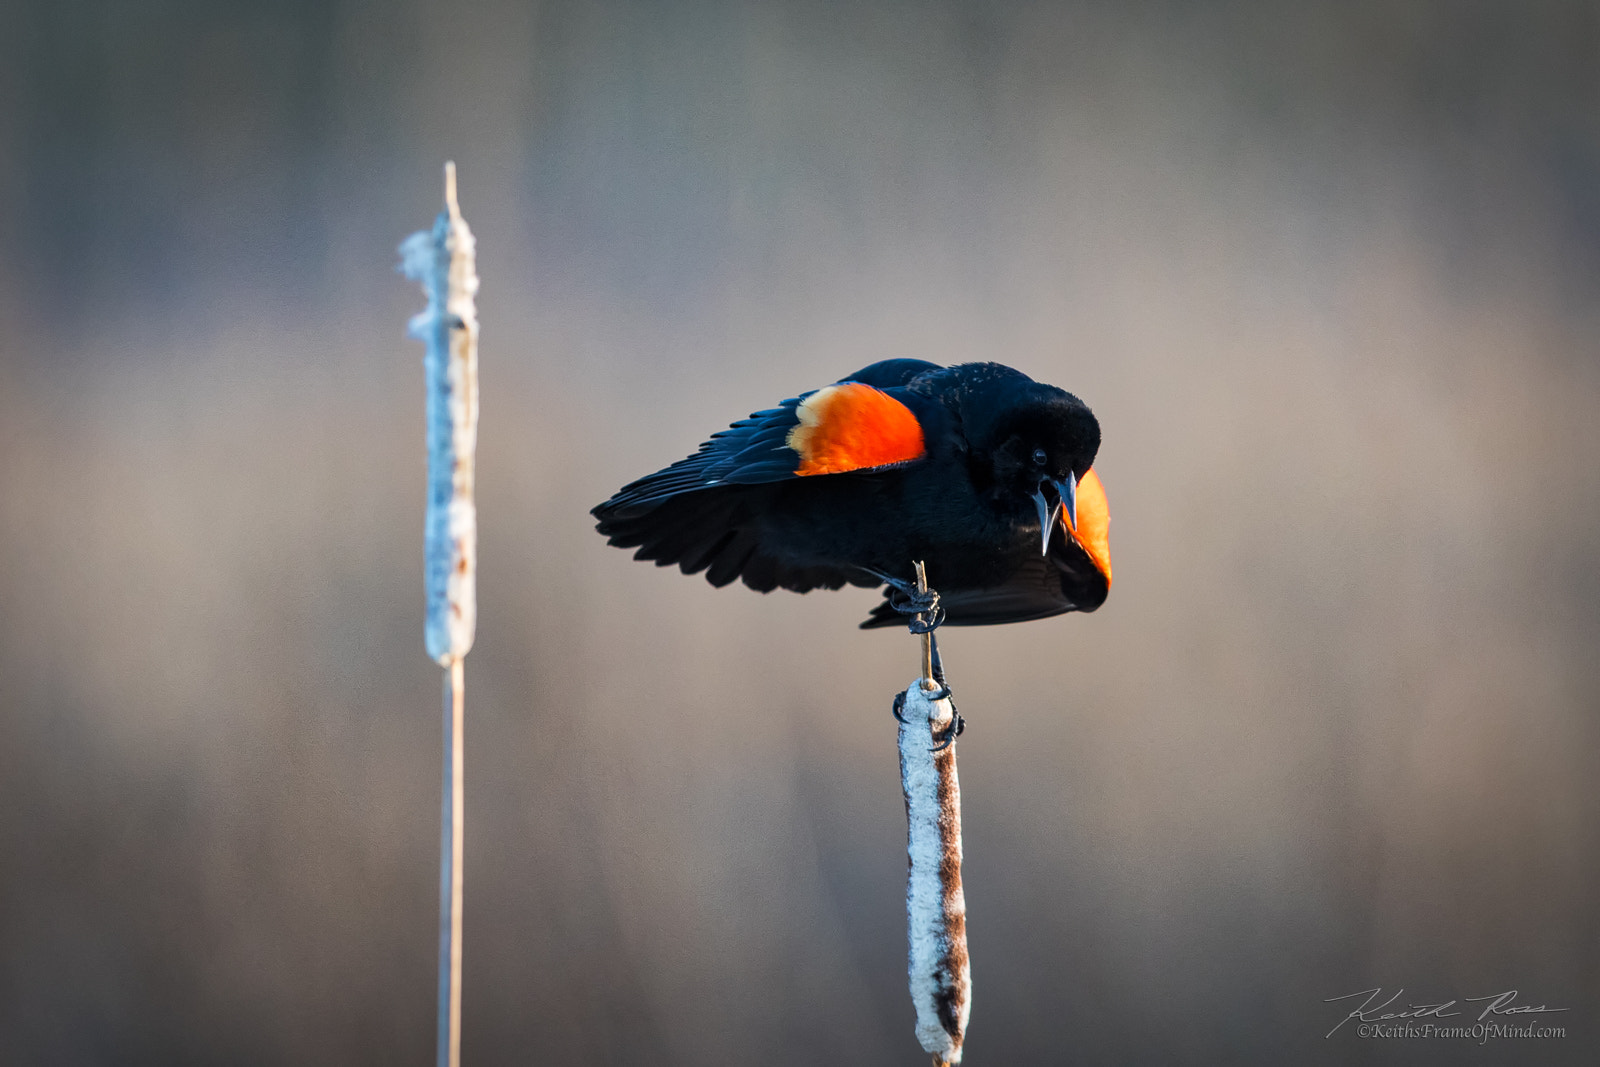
[{"x": 1329, "y": 274}]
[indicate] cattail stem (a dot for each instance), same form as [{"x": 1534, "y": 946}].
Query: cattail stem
[
  {"x": 936, "y": 909},
  {"x": 444, "y": 261},
  {"x": 927, "y": 637},
  {"x": 453, "y": 822}
]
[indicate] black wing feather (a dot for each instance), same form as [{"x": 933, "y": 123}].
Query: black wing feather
[
  {"x": 704, "y": 511},
  {"x": 889, "y": 373},
  {"x": 751, "y": 451}
]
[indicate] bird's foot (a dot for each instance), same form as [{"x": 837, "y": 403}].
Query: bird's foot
[
  {"x": 923, "y": 611},
  {"x": 921, "y": 605},
  {"x": 945, "y": 738},
  {"x": 926, "y": 615}
]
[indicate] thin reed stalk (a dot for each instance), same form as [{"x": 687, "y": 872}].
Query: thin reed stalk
[{"x": 443, "y": 260}]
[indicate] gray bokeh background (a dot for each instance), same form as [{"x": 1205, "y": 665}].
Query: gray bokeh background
[{"x": 1328, "y": 273}]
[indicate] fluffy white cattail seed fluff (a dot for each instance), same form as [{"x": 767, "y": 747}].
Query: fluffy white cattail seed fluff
[
  {"x": 936, "y": 909},
  {"x": 443, "y": 260}
]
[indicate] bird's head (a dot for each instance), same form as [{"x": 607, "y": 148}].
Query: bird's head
[{"x": 1031, "y": 442}]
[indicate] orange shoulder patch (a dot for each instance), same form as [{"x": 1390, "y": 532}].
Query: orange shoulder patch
[
  {"x": 1094, "y": 520},
  {"x": 850, "y": 427}
]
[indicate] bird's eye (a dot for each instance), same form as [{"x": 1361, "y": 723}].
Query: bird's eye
[{"x": 1039, "y": 457}]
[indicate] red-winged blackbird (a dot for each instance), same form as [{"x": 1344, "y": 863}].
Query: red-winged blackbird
[{"x": 972, "y": 468}]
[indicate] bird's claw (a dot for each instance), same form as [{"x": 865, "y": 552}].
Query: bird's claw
[
  {"x": 927, "y": 615},
  {"x": 923, "y": 607},
  {"x": 945, "y": 737},
  {"x": 948, "y": 735}
]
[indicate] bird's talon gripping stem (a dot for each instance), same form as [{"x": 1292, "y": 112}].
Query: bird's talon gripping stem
[
  {"x": 926, "y": 614},
  {"x": 922, "y": 605},
  {"x": 948, "y": 735},
  {"x": 958, "y": 725}
]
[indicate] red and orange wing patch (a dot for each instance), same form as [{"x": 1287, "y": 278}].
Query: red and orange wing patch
[
  {"x": 1094, "y": 521},
  {"x": 851, "y": 427}
]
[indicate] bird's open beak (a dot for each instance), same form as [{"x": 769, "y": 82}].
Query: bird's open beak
[
  {"x": 1066, "y": 499},
  {"x": 1069, "y": 498}
]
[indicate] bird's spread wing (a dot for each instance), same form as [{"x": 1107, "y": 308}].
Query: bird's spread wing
[
  {"x": 853, "y": 425},
  {"x": 699, "y": 512}
]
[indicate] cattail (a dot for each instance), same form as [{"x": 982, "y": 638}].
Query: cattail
[
  {"x": 444, "y": 261},
  {"x": 936, "y": 909}
]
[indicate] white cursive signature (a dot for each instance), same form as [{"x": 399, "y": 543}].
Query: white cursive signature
[{"x": 1499, "y": 1004}]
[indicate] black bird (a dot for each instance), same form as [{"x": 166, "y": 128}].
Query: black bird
[{"x": 977, "y": 469}]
